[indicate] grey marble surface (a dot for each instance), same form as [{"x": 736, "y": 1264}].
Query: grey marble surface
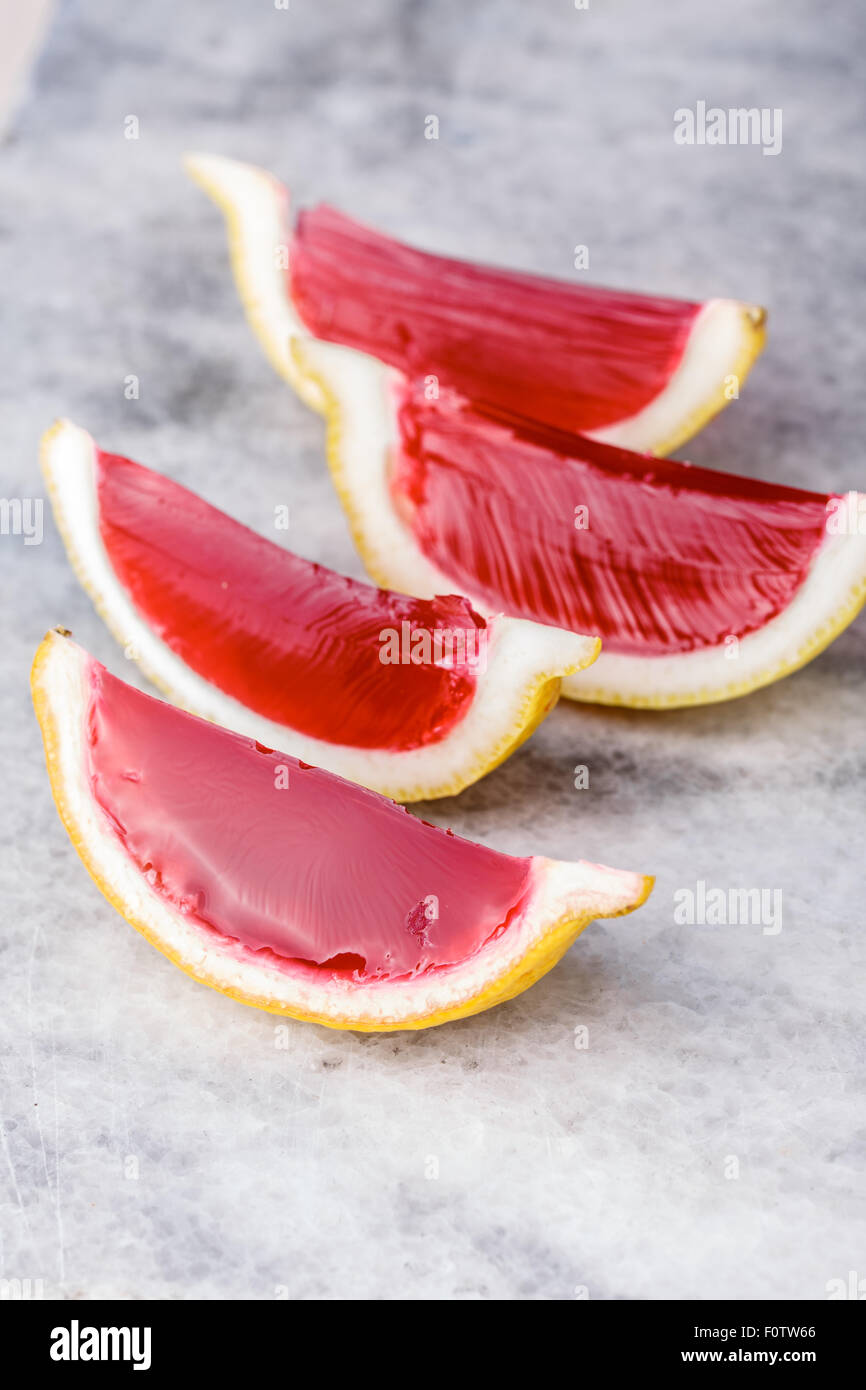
[{"x": 305, "y": 1169}]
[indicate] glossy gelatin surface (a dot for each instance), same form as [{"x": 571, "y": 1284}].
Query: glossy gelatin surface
[
  {"x": 655, "y": 556},
  {"x": 289, "y": 639},
  {"x": 573, "y": 356},
  {"x": 283, "y": 857}
]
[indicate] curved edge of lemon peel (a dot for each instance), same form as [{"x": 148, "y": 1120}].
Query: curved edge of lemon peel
[
  {"x": 576, "y": 687},
  {"x": 828, "y": 598},
  {"x": 82, "y": 573},
  {"x": 240, "y": 221},
  {"x": 214, "y": 174},
  {"x": 817, "y": 643},
  {"x": 542, "y": 956},
  {"x": 754, "y": 337},
  {"x": 332, "y": 412},
  {"x": 728, "y": 332},
  {"x": 539, "y": 696}
]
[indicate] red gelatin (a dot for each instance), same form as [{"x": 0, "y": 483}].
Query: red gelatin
[
  {"x": 319, "y": 871},
  {"x": 575, "y": 357},
  {"x": 289, "y": 639},
  {"x": 666, "y": 557}
]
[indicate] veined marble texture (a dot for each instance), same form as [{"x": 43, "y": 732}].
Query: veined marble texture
[{"x": 160, "y": 1140}]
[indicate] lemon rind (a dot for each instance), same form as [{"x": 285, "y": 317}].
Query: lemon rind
[{"x": 59, "y": 698}]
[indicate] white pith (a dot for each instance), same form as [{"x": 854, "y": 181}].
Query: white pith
[
  {"x": 718, "y": 346},
  {"x": 363, "y": 390},
  {"x": 575, "y": 890},
  {"x": 256, "y": 205},
  {"x": 836, "y": 577},
  {"x": 712, "y": 353},
  {"x": 262, "y": 236},
  {"x": 519, "y": 656}
]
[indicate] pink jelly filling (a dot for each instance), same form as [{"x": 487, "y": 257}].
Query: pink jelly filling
[
  {"x": 318, "y": 871},
  {"x": 653, "y": 555},
  {"x": 289, "y": 639},
  {"x": 574, "y": 356}
]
